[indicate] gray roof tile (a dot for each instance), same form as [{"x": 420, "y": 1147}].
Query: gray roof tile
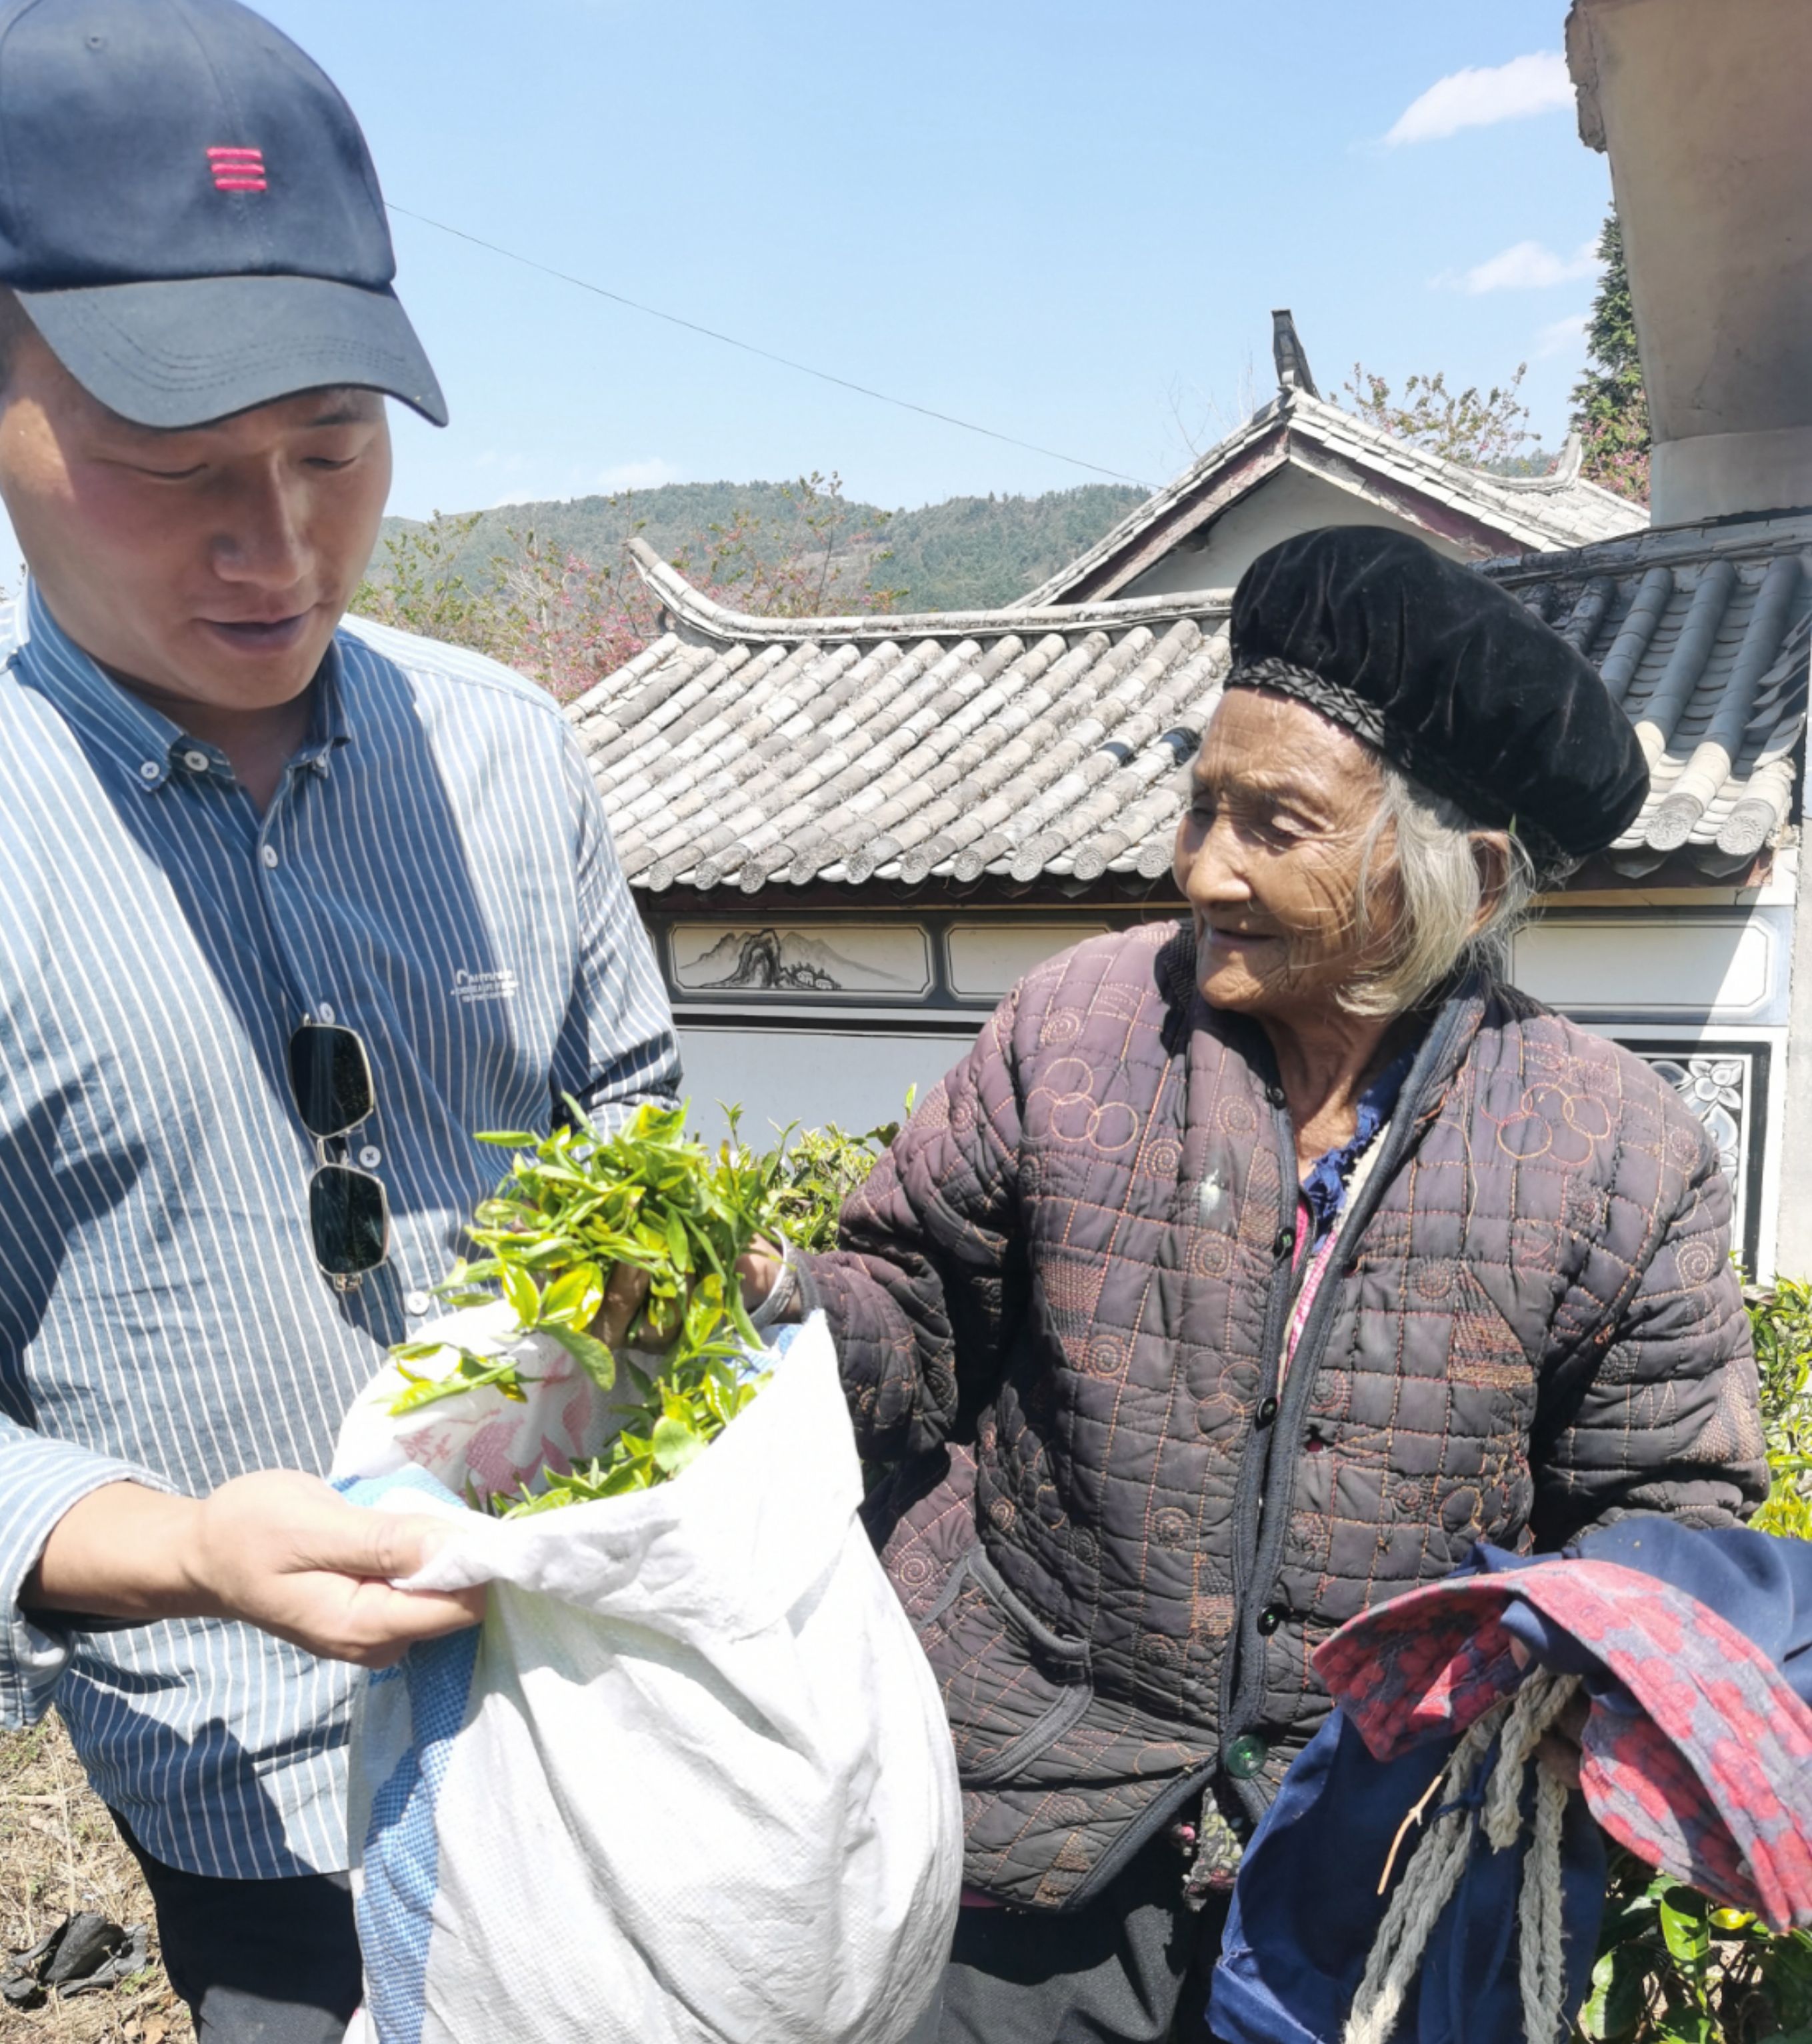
[
  {"x": 1701, "y": 634},
  {"x": 1023, "y": 743}
]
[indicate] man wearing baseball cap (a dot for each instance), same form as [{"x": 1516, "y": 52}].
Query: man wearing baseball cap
[{"x": 288, "y": 910}]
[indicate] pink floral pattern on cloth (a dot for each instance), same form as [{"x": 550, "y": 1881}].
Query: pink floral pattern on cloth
[
  {"x": 1701, "y": 1766},
  {"x": 482, "y": 1441}
]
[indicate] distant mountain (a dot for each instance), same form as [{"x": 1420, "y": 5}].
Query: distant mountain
[{"x": 967, "y": 553}]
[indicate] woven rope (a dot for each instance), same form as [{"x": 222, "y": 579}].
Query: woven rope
[{"x": 1433, "y": 1876}]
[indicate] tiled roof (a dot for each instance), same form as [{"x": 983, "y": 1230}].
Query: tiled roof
[
  {"x": 1026, "y": 744},
  {"x": 741, "y": 751},
  {"x": 1488, "y": 513},
  {"x": 1701, "y": 634}
]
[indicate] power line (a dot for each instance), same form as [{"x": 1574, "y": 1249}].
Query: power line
[{"x": 767, "y": 354}]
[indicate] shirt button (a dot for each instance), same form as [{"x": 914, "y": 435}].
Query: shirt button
[
  {"x": 370, "y": 1159},
  {"x": 324, "y": 1011},
  {"x": 1267, "y": 1411},
  {"x": 268, "y": 854},
  {"x": 197, "y": 762},
  {"x": 150, "y": 770},
  {"x": 1245, "y": 1756},
  {"x": 417, "y": 1303}
]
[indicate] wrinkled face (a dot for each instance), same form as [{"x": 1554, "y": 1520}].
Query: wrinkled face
[
  {"x": 210, "y": 564},
  {"x": 1270, "y": 854}
]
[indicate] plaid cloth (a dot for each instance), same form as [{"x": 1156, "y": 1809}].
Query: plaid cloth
[{"x": 1695, "y": 1650}]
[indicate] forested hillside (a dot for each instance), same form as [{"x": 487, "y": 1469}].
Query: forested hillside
[{"x": 966, "y": 553}]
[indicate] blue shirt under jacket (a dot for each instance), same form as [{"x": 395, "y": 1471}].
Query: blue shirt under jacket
[{"x": 435, "y": 872}]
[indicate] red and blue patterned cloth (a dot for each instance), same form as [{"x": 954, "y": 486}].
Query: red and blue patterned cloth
[{"x": 1695, "y": 1651}]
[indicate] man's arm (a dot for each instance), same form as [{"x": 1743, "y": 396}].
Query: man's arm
[
  {"x": 84, "y": 1534},
  {"x": 617, "y": 1047},
  {"x": 277, "y": 1549}
]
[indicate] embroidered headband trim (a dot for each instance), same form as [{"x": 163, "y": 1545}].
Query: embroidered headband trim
[{"x": 1347, "y": 706}]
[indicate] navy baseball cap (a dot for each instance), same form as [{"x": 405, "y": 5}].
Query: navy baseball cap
[{"x": 189, "y": 213}]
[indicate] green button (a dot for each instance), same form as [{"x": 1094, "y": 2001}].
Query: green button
[{"x": 1245, "y": 1756}]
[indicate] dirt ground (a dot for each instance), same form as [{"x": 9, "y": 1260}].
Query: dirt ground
[{"x": 59, "y": 1852}]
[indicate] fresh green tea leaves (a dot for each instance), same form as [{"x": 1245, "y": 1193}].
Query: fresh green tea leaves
[
  {"x": 579, "y": 1201},
  {"x": 574, "y": 1299},
  {"x": 675, "y": 1443},
  {"x": 523, "y": 1295},
  {"x": 591, "y": 1355}
]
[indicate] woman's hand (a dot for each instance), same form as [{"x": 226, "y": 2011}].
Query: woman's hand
[
  {"x": 759, "y": 1268},
  {"x": 626, "y": 1294},
  {"x": 1560, "y": 1751}
]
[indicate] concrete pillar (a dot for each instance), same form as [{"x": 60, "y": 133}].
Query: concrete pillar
[{"x": 1701, "y": 107}]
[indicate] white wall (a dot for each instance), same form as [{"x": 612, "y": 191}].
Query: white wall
[
  {"x": 856, "y": 1076},
  {"x": 1288, "y": 502}
]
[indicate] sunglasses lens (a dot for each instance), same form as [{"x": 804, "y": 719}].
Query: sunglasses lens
[
  {"x": 331, "y": 1079},
  {"x": 350, "y": 1219}
]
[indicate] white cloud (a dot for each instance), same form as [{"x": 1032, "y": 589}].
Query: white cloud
[
  {"x": 1561, "y": 336},
  {"x": 1480, "y": 98},
  {"x": 1528, "y": 266}
]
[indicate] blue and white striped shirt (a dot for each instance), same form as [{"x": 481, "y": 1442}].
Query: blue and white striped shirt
[{"x": 435, "y": 872}]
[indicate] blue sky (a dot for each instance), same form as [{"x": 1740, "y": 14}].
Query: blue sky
[{"x": 1068, "y": 223}]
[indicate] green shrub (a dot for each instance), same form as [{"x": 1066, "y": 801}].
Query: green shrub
[
  {"x": 821, "y": 1169},
  {"x": 1673, "y": 1967}
]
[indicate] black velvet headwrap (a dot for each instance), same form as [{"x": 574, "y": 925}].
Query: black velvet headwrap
[{"x": 1448, "y": 676}]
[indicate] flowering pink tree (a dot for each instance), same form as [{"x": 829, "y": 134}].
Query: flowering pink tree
[{"x": 567, "y": 622}]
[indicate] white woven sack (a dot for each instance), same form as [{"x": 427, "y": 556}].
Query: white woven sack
[{"x": 691, "y": 1782}]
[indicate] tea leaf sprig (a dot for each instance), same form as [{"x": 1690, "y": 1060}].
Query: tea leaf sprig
[{"x": 578, "y": 1202}]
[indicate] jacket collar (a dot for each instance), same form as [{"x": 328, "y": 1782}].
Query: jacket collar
[{"x": 1454, "y": 1022}]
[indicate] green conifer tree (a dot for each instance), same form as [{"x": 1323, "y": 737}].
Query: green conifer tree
[{"x": 1611, "y": 408}]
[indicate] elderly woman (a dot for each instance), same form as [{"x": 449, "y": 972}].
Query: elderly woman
[{"x": 1251, "y": 1268}]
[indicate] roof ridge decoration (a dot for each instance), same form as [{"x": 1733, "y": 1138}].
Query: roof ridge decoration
[
  {"x": 1563, "y": 475},
  {"x": 1049, "y": 748}
]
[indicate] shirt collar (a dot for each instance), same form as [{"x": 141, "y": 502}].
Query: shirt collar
[
  {"x": 1324, "y": 1187},
  {"x": 143, "y": 743}
]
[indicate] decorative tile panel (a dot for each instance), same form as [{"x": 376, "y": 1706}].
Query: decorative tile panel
[
  {"x": 884, "y": 960},
  {"x": 1725, "y": 1085}
]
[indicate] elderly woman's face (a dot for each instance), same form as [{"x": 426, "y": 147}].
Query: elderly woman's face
[{"x": 1270, "y": 854}]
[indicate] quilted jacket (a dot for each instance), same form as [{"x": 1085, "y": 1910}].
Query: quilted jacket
[{"x": 1060, "y": 1300}]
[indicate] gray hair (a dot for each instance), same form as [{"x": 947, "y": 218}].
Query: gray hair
[{"x": 1422, "y": 851}]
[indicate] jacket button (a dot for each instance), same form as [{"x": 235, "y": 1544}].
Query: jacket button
[
  {"x": 1267, "y": 1411},
  {"x": 1286, "y": 1241},
  {"x": 1269, "y": 1619},
  {"x": 1274, "y": 1095},
  {"x": 1245, "y": 1756}
]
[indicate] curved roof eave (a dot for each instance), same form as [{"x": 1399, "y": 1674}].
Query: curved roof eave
[{"x": 695, "y": 615}]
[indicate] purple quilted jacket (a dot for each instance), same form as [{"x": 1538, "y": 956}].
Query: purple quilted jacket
[{"x": 1060, "y": 1301}]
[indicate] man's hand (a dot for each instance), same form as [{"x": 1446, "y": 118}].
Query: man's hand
[{"x": 279, "y": 1550}]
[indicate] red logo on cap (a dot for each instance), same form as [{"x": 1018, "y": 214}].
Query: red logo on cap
[{"x": 237, "y": 169}]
